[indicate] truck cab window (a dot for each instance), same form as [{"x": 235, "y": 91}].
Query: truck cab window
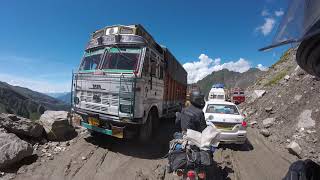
[
  {"x": 153, "y": 67},
  {"x": 91, "y": 60},
  {"x": 146, "y": 63},
  {"x": 161, "y": 72},
  {"x": 122, "y": 58}
]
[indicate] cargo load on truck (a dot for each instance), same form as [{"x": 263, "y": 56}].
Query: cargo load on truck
[{"x": 127, "y": 82}]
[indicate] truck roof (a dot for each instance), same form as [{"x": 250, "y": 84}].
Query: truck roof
[{"x": 218, "y": 90}]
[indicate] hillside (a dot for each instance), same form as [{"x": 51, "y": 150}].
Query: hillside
[
  {"x": 229, "y": 79},
  {"x": 65, "y": 98},
  {"x": 291, "y": 104},
  {"x": 25, "y": 102}
]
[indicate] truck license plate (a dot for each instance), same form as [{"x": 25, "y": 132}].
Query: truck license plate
[{"x": 93, "y": 121}]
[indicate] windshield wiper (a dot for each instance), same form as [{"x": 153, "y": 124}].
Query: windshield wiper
[
  {"x": 105, "y": 53},
  {"x": 122, "y": 53}
]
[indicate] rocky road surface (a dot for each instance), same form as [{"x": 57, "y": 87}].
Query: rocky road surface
[{"x": 103, "y": 157}]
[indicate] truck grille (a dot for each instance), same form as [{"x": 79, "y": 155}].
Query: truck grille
[{"x": 106, "y": 99}]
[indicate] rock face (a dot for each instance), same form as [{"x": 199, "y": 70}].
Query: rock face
[
  {"x": 13, "y": 149},
  {"x": 268, "y": 122},
  {"x": 56, "y": 125},
  {"x": 20, "y": 126}
]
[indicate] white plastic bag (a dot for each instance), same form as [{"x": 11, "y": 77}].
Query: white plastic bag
[{"x": 210, "y": 136}]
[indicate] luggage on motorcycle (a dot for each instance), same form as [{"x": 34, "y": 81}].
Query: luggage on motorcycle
[
  {"x": 197, "y": 157},
  {"x": 303, "y": 170},
  {"x": 206, "y": 158},
  {"x": 177, "y": 160}
]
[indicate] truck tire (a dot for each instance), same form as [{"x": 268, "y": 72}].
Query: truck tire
[{"x": 146, "y": 129}]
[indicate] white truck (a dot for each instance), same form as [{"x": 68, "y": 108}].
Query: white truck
[
  {"x": 126, "y": 83},
  {"x": 217, "y": 94}
]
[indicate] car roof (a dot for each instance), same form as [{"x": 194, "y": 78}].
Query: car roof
[
  {"x": 217, "y": 90},
  {"x": 213, "y": 101}
]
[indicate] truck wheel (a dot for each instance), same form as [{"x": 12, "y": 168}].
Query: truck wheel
[{"x": 146, "y": 129}]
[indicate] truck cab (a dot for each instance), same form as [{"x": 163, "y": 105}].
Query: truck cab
[
  {"x": 237, "y": 95},
  {"x": 119, "y": 88}
]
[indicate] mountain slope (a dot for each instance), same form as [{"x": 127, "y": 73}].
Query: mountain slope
[
  {"x": 229, "y": 79},
  {"x": 25, "y": 102},
  {"x": 65, "y": 98},
  {"x": 292, "y": 102}
]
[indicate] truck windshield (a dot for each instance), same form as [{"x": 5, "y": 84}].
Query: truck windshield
[
  {"x": 122, "y": 58},
  {"x": 91, "y": 60}
]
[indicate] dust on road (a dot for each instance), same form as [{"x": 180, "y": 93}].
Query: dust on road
[{"x": 104, "y": 157}]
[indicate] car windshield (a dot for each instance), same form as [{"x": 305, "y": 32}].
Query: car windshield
[
  {"x": 91, "y": 60},
  {"x": 222, "y": 109},
  {"x": 122, "y": 58},
  {"x": 218, "y": 96}
]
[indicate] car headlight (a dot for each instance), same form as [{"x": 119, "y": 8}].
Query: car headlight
[
  {"x": 210, "y": 117},
  {"x": 124, "y": 108}
]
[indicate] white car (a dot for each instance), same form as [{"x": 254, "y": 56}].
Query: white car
[{"x": 226, "y": 117}]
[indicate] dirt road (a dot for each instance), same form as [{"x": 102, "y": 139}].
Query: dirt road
[{"x": 104, "y": 157}]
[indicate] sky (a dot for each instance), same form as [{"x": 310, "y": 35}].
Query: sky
[{"x": 42, "y": 41}]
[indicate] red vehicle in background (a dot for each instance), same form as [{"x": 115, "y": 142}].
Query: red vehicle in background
[{"x": 237, "y": 95}]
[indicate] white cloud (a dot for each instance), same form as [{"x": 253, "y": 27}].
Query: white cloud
[
  {"x": 262, "y": 67},
  {"x": 36, "y": 85},
  {"x": 265, "y": 12},
  {"x": 267, "y": 27},
  {"x": 197, "y": 70},
  {"x": 279, "y": 13}
]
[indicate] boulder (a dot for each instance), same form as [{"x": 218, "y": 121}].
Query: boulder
[
  {"x": 297, "y": 97},
  {"x": 294, "y": 148},
  {"x": 268, "y": 122},
  {"x": 13, "y": 149},
  {"x": 305, "y": 119},
  {"x": 286, "y": 77},
  {"x": 268, "y": 109},
  {"x": 20, "y": 126},
  {"x": 259, "y": 93},
  {"x": 265, "y": 132},
  {"x": 57, "y": 126}
]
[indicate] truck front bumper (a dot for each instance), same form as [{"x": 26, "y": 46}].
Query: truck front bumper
[
  {"x": 108, "y": 118},
  {"x": 115, "y": 131}
]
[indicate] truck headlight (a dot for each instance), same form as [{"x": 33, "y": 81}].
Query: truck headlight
[{"x": 124, "y": 108}]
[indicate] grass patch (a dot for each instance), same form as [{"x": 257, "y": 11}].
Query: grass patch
[
  {"x": 283, "y": 58},
  {"x": 276, "y": 78}
]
